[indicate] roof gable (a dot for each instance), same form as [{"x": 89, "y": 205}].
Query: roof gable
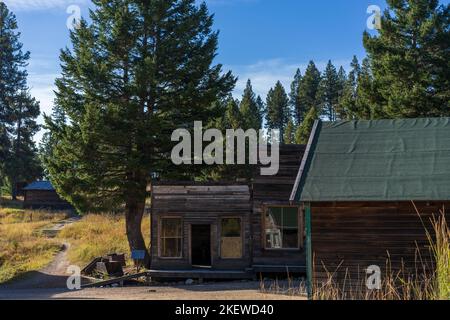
[{"x": 377, "y": 160}]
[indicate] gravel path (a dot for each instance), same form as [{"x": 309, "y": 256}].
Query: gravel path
[{"x": 52, "y": 276}]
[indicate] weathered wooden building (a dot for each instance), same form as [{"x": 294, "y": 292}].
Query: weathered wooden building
[
  {"x": 42, "y": 195},
  {"x": 238, "y": 229},
  {"x": 200, "y": 225},
  {"x": 277, "y": 225},
  {"x": 363, "y": 185},
  {"x": 360, "y": 194}
]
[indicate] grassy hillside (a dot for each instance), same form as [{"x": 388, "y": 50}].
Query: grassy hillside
[
  {"x": 22, "y": 247},
  {"x": 97, "y": 235}
]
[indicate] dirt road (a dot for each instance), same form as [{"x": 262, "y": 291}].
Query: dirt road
[
  {"x": 209, "y": 291},
  {"x": 52, "y": 276},
  {"x": 50, "y": 283}
]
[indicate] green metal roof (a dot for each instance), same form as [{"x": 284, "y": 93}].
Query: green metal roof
[{"x": 376, "y": 160}]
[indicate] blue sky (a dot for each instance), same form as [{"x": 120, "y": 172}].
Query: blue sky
[{"x": 264, "y": 40}]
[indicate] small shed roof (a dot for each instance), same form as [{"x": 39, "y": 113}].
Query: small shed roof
[
  {"x": 40, "y": 185},
  {"x": 376, "y": 160}
]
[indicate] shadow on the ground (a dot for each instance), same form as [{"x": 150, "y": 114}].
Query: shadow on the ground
[
  {"x": 210, "y": 286},
  {"x": 35, "y": 285},
  {"x": 35, "y": 280}
]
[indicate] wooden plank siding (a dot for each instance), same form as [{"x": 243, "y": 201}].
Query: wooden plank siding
[
  {"x": 275, "y": 190},
  {"x": 44, "y": 199},
  {"x": 201, "y": 204},
  {"x": 208, "y": 203},
  {"x": 351, "y": 236}
]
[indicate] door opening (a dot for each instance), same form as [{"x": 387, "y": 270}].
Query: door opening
[{"x": 201, "y": 245}]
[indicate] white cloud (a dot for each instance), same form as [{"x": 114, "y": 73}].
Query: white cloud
[{"x": 31, "y": 5}]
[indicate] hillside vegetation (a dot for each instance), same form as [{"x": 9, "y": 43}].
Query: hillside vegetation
[
  {"x": 97, "y": 235},
  {"x": 23, "y": 248}
]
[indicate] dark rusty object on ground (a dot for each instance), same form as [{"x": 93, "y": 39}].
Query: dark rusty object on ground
[{"x": 109, "y": 265}]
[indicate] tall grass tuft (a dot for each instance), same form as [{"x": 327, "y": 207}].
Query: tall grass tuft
[{"x": 440, "y": 246}]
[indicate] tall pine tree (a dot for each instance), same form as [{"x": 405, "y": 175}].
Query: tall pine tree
[
  {"x": 346, "y": 109},
  {"x": 261, "y": 107},
  {"x": 49, "y": 138},
  {"x": 329, "y": 92},
  {"x": 294, "y": 100},
  {"x": 250, "y": 111},
  {"x": 23, "y": 163},
  {"x": 308, "y": 92},
  {"x": 277, "y": 109},
  {"x": 232, "y": 118},
  {"x": 304, "y": 130},
  {"x": 139, "y": 71},
  {"x": 289, "y": 133},
  {"x": 409, "y": 59},
  {"x": 18, "y": 110},
  {"x": 365, "y": 108}
]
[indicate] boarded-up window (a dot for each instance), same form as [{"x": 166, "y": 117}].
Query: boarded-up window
[
  {"x": 231, "y": 240},
  {"x": 171, "y": 238},
  {"x": 281, "y": 228}
]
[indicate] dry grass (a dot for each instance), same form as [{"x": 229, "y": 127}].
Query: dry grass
[
  {"x": 440, "y": 246},
  {"x": 284, "y": 287},
  {"x": 6, "y": 202},
  {"x": 22, "y": 247},
  {"x": 426, "y": 283},
  {"x": 97, "y": 235}
]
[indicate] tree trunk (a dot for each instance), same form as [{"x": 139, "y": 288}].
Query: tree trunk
[
  {"x": 134, "y": 211},
  {"x": 14, "y": 189}
]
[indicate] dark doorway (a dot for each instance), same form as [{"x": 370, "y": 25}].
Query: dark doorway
[{"x": 201, "y": 245}]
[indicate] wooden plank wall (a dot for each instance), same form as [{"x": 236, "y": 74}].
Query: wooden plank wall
[
  {"x": 349, "y": 237},
  {"x": 276, "y": 190},
  {"x": 44, "y": 199},
  {"x": 201, "y": 204}
]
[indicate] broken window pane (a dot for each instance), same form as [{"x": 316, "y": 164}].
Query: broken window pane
[{"x": 281, "y": 228}]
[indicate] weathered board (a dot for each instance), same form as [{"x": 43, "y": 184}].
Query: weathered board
[
  {"x": 201, "y": 204},
  {"x": 208, "y": 203},
  {"x": 275, "y": 190},
  {"x": 44, "y": 199},
  {"x": 348, "y": 237}
]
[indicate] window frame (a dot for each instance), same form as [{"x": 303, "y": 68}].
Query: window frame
[
  {"x": 160, "y": 238},
  {"x": 242, "y": 237},
  {"x": 300, "y": 233}
]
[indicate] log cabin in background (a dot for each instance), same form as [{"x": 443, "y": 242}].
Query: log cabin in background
[
  {"x": 360, "y": 183},
  {"x": 42, "y": 195}
]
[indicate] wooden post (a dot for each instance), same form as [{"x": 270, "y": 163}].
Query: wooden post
[{"x": 309, "y": 262}]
